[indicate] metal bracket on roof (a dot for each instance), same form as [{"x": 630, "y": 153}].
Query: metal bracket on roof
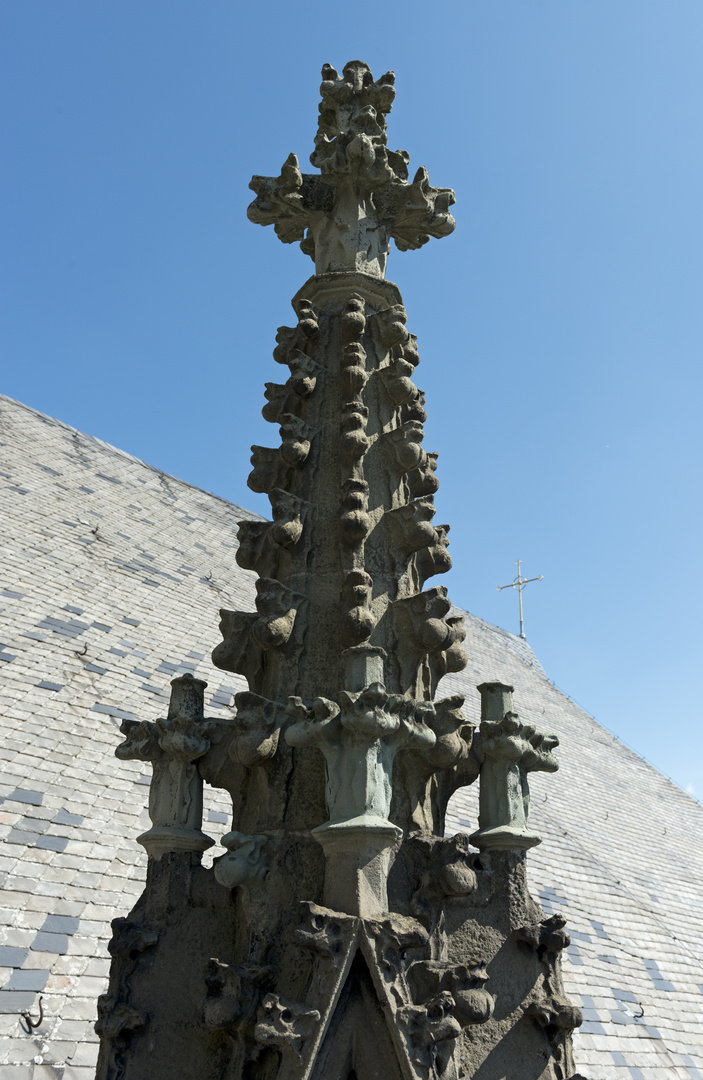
[{"x": 31, "y": 1024}]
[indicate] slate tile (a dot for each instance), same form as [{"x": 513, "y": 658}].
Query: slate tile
[
  {"x": 50, "y": 943},
  {"x": 111, "y": 710},
  {"x": 46, "y": 1071},
  {"x": 64, "y": 818},
  {"x": 52, "y": 843},
  {"x": 27, "y": 979},
  {"x": 61, "y": 924},
  {"x": 16, "y": 1001},
  {"x": 18, "y": 937},
  {"x": 618, "y": 1017},
  {"x": 11, "y": 956},
  {"x": 34, "y": 798},
  {"x": 33, "y": 825},
  {"x": 16, "y": 837}
]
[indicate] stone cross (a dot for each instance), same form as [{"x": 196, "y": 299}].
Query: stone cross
[{"x": 346, "y": 217}]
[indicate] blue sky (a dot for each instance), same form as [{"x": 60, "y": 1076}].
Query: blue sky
[{"x": 559, "y": 327}]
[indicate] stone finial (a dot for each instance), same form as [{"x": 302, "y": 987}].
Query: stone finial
[
  {"x": 496, "y": 701},
  {"x": 173, "y": 746},
  {"x": 346, "y": 217},
  {"x": 511, "y": 749}
]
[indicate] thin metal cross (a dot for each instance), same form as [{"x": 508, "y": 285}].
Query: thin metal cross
[{"x": 519, "y": 583}]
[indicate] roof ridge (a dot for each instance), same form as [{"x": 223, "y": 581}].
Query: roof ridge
[
  {"x": 636, "y": 753},
  {"x": 519, "y": 646},
  {"x": 161, "y": 473}
]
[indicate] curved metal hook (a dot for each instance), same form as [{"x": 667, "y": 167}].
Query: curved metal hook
[{"x": 31, "y": 1024}]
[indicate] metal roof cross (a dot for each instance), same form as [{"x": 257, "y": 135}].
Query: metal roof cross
[{"x": 519, "y": 583}]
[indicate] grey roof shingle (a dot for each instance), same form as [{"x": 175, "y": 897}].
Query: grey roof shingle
[{"x": 86, "y": 533}]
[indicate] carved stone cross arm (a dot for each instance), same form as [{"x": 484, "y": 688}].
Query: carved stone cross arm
[
  {"x": 415, "y": 212},
  {"x": 288, "y": 201},
  {"x": 141, "y": 741}
]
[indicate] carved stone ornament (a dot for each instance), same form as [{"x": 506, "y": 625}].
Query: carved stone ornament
[
  {"x": 339, "y": 934},
  {"x": 173, "y": 746},
  {"x": 257, "y": 728},
  {"x": 285, "y": 1024},
  {"x": 246, "y": 862},
  {"x": 346, "y": 217},
  {"x": 118, "y": 1019},
  {"x": 511, "y": 750},
  {"x": 232, "y": 995}
]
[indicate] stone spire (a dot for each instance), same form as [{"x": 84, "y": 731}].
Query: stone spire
[
  {"x": 341, "y": 928},
  {"x": 346, "y": 649}
]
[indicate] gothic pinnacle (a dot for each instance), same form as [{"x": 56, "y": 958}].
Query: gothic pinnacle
[{"x": 340, "y": 933}]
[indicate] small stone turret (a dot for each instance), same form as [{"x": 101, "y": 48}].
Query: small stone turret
[{"x": 340, "y": 928}]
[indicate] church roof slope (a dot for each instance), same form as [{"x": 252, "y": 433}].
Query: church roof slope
[{"x": 112, "y": 577}]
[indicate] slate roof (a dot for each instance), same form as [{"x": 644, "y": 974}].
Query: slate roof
[{"x": 112, "y": 575}]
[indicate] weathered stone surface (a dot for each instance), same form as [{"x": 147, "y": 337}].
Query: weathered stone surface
[
  {"x": 511, "y": 750},
  {"x": 173, "y": 746},
  {"x": 346, "y": 217},
  {"x": 340, "y": 934}
]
